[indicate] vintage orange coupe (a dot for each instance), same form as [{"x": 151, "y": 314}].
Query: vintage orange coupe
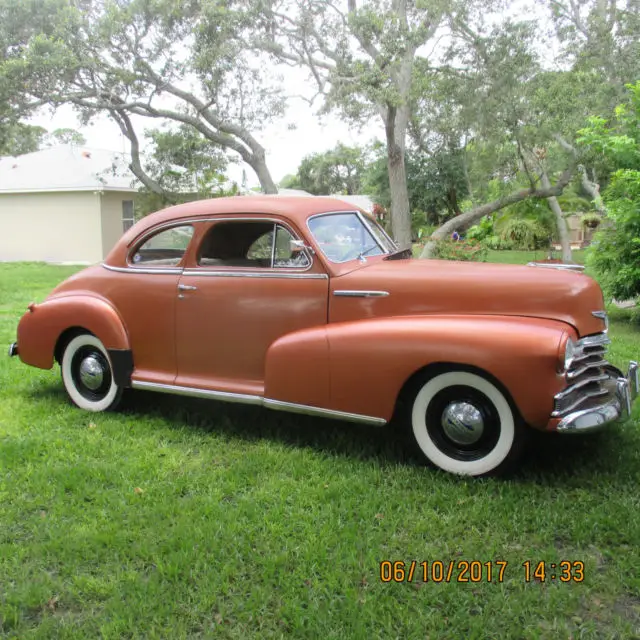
[{"x": 306, "y": 305}]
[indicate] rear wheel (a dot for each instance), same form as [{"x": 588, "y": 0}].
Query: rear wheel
[
  {"x": 87, "y": 375},
  {"x": 464, "y": 424}
]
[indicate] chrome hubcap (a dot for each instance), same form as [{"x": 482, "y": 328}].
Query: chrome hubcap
[
  {"x": 462, "y": 422},
  {"x": 91, "y": 373}
]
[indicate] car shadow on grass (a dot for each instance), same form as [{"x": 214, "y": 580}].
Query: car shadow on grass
[{"x": 549, "y": 458}]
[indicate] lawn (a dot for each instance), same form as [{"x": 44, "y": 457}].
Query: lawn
[{"x": 179, "y": 518}]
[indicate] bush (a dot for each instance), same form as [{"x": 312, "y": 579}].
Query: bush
[
  {"x": 614, "y": 254},
  {"x": 468, "y": 250},
  {"x": 524, "y": 233}
]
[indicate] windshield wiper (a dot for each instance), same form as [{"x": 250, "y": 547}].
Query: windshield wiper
[{"x": 364, "y": 252}]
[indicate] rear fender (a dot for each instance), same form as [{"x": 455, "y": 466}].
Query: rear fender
[{"x": 41, "y": 327}]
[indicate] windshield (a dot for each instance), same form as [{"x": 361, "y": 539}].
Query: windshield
[{"x": 344, "y": 236}]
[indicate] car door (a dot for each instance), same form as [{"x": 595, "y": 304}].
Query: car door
[
  {"x": 144, "y": 293},
  {"x": 246, "y": 286}
]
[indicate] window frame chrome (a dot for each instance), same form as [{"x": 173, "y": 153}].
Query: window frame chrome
[{"x": 219, "y": 272}]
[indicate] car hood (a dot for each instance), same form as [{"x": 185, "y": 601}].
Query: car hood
[{"x": 423, "y": 287}]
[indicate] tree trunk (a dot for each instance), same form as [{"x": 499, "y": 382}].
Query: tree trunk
[
  {"x": 563, "y": 231},
  {"x": 468, "y": 218},
  {"x": 259, "y": 164},
  {"x": 593, "y": 189},
  {"x": 400, "y": 210}
]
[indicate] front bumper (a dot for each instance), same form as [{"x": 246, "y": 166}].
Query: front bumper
[
  {"x": 13, "y": 349},
  {"x": 623, "y": 390}
]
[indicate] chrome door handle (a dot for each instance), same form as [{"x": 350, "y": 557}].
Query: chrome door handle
[{"x": 186, "y": 287}]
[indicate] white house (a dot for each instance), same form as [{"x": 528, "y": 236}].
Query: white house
[{"x": 64, "y": 204}]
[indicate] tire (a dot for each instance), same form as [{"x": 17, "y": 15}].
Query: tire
[
  {"x": 465, "y": 425},
  {"x": 87, "y": 375}
]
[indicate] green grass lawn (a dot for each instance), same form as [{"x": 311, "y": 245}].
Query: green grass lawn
[
  {"x": 522, "y": 257},
  {"x": 179, "y": 518}
]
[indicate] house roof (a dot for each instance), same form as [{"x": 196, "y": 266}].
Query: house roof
[{"x": 66, "y": 168}]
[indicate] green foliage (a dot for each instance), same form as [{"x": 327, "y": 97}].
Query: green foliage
[
  {"x": 337, "y": 171},
  {"x": 66, "y": 136},
  {"x": 468, "y": 250},
  {"x": 482, "y": 230},
  {"x": 524, "y": 233},
  {"x": 17, "y": 138},
  {"x": 435, "y": 184},
  {"x": 188, "y": 167},
  {"x": 614, "y": 254},
  {"x": 615, "y": 251}
]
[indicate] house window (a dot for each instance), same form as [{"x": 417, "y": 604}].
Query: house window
[{"x": 127, "y": 215}]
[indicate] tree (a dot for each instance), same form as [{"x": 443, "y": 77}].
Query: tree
[
  {"x": 66, "y": 136},
  {"x": 176, "y": 60},
  {"x": 436, "y": 184},
  {"x": 615, "y": 252},
  {"x": 337, "y": 171},
  {"x": 496, "y": 106},
  {"x": 17, "y": 138},
  {"x": 186, "y": 165},
  {"x": 362, "y": 60}
]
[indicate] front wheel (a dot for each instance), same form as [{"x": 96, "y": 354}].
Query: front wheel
[
  {"x": 465, "y": 425},
  {"x": 87, "y": 375}
]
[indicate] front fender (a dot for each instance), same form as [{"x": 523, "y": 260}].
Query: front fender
[
  {"x": 41, "y": 327},
  {"x": 360, "y": 367}
]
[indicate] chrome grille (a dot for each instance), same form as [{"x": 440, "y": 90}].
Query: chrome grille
[{"x": 587, "y": 378}]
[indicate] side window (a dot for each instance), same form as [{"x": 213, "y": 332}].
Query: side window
[
  {"x": 250, "y": 243},
  {"x": 128, "y": 219},
  {"x": 165, "y": 248},
  {"x": 286, "y": 254},
  {"x": 237, "y": 243}
]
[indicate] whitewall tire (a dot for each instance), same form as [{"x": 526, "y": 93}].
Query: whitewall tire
[
  {"x": 464, "y": 424},
  {"x": 87, "y": 374}
]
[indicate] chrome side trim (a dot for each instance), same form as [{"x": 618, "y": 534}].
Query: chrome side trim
[
  {"x": 243, "y": 398},
  {"x": 360, "y": 294},
  {"x": 192, "y": 392},
  {"x": 568, "y": 267},
  {"x": 324, "y": 413},
  {"x": 159, "y": 271},
  {"x": 255, "y": 274}
]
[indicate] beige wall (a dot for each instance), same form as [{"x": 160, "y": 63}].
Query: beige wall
[
  {"x": 111, "y": 205},
  {"x": 53, "y": 227}
]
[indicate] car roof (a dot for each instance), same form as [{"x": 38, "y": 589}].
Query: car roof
[{"x": 295, "y": 208}]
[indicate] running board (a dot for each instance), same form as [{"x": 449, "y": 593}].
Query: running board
[{"x": 243, "y": 398}]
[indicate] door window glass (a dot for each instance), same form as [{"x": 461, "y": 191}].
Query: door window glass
[
  {"x": 287, "y": 253},
  {"x": 165, "y": 248}
]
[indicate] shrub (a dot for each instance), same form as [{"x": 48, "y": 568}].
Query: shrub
[
  {"x": 614, "y": 254},
  {"x": 524, "y": 233}
]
